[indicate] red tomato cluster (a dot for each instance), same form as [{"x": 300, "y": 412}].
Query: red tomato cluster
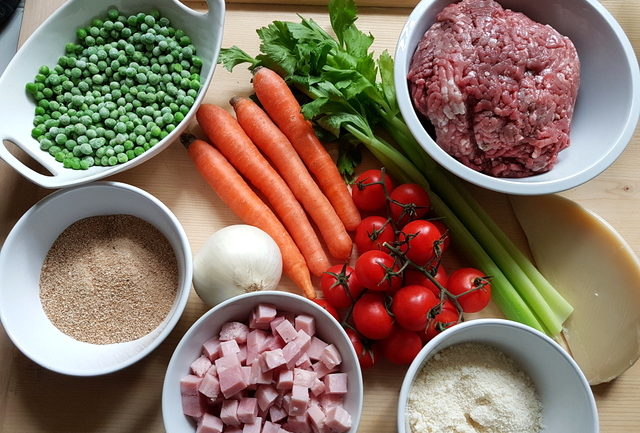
[{"x": 392, "y": 301}]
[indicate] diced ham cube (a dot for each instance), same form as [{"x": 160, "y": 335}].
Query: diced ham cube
[
  {"x": 227, "y": 362},
  {"x": 210, "y": 386},
  {"x": 229, "y": 412},
  {"x": 211, "y": 348},
  {"x": 193, "y": 406},
  {"x": 213, "y": 370},
  {"x": 298, "y": 424},
  {"x": 266, "y": 395},
  {"x": 316, "y": 416},
  {"x": 253, "y": 427},
  {"x": 274, "y": 342},
  {"x": 248, "y": 410},
  {"x": 200, "y": 366},
  {"x": 315, "y": 348},
  {"x": 275, "y": 322},
  {"x": 229, "y": 348},
  {"x": 272, "y": 359},
  {"x": 265, "y": 313},
  {"x": 230, "y": 429},
  {"x": 303, "y": 377},
  {"x": 335, "y": 383},
  {"x": 283, "y": 430},
  {"x": 277, "y": 413},
  {"x": 317, "y": 388},
  {"x": 328, "y": 401},
  {"x": 286, "y": 402},
  {"x": 321, "y": 369},
  {"x": 242, "y": 355},
  {"x": 285, "y": 380},
  {"x": 234, "y": 331},
  {"x": 330, "y": 356},
  {"x": 210, "y": 424},
  {"x": 338, "y": 419},
  {"x": 259, "y": 377},
  {"x": 189, "y": 384},
  {"x": 294, "y": 349},
  {"x": 304, "y": 362},
  {"x": 270, "y": 427},
  {"x": 299, "y": 400},
  {"x": 286, "y": 331},
  {"x": 305, "y": 323},
  {"x": 253, "y": 324},
  {"x": 246, "y": 374},
  {"x": 255, "y": 345},
  {"x": 232, "y": 380}
]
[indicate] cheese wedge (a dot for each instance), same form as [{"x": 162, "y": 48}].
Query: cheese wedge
[{"x": 592, "y": 266}]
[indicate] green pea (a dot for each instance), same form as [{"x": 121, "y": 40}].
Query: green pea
[{"x": 113, "y": 160}]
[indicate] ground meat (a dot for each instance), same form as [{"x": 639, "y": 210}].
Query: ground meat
[{"x": 498, "y": 87}]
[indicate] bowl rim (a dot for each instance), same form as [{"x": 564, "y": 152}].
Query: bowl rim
[
  {"x": 514, "y": 185},
  {"x": 182, "y": 293},
  {"x": 428, "y": 350},
  {"x": 169, "y": 387}
]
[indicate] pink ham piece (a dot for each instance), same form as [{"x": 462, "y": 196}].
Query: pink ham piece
[
  {"x": 248, "y": 410},
  {"x": 299, "y": 400},
  {"x": 338, "y": 419},
  {"x": 229, "y": 412},
  {"x": 189, "y": 384},
  {"x": 275, "y": 322},
  {"x": 328, "y": 401},
  {"x": 298, "y": 424},
  {"x": 321, "y": 369},
  {"x": 294, "y": 349},
  {"x": 286, "y": 331},
  {"x": 305, "y": 323},
  {"x": 229, "y": 429},
  {"x": 200, "y": 366},
  {"x": 304, "y": 362},
  {"x": 246, "y": 374},
  {"x": 234, "y": 331},
  {"x": 253, "y": 324},
  {"x": 255, "y": 345},
  {"x": 316, "y": 416},
  {"x": 266, "y": 395},
  {"x": 330, "y": 356},
  {"x": 270, "y": 427},
  {"x": 317, "y": 388},
  {"x": 303, "y": 377},
  {"x": 253, "y": 427},
  {"x": 335, "y": 383},
  {"x": 211, "y": 348},
  {"x": 259, "y": 377},
  {"x": 210, "y": 424},
  {"x": 272, "y": 359},
  {"x": 210, "y": 386},
  {"x": 193, "y": 406},
  {"x": 213, "y": 371},
  {"x": 277, "y": 413},
  {"x": 315, "y": 348},
  {"x": 227, "y": 362},
  {"x": 285, "y": 380},
  {"x": 265, "y": 313},
  {"x": 229, "y": 348},
  {"x": 232, "y": 380},
  {"x": 242, "y": 354}
]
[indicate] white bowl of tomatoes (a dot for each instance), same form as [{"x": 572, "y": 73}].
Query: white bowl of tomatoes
[{"x": 398, "y": 296}]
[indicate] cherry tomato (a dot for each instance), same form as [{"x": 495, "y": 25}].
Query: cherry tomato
[
  {"x": 366, "y": 356},
  {"x": 413, "y": 276},
  {"x": 369, "y": 197},
  {"x": 421, "y": 238},
  {"x": 340, "y": 286},
  {"x": 327, "y": 306},
  {"x": 442, "y": 321},
  {"x": 411, "y": 306},
  {"x": 370, "y": 316},
  {"x": 401, "y": 346},
  {"x": 444, "y": 232},
  {"x": 375, "y": 271},
  {"x": 414, "y": 203},
  {"x": 372, "y": 232},
  {"x": 473, "y": 281}
]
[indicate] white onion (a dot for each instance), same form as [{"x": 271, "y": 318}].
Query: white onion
[{"x": 234, "y": 260}]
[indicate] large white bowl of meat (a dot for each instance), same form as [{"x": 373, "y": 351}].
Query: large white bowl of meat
[{"x": 522, "y": 97}]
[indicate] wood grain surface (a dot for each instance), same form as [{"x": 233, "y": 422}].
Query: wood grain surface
[{"x": 33, "y": 399}]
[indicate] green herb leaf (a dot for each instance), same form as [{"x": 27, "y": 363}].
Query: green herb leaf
[
  {"x": 234, "y": 56},
  {"x": 349, "y": 157},
  {"x": 342, "y": 14},
  {"x": 385, "y": 63}
]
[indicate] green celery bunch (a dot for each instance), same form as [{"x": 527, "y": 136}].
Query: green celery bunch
[{"x": 352, "y": 96}]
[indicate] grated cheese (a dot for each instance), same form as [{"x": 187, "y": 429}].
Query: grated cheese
[{"x": 473, "y": 388}]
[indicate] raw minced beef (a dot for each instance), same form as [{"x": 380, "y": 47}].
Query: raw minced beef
[{"x": 498, "y": 87}]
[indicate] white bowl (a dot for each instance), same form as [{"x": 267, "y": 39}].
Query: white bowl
[
  {"x": 568, "y": 405},
  {"x": 21, "y": 260},
  {"x": 238, "y": 309},
  {"x": 608, "y": 102},
  {"x": 47, "y": 44}
]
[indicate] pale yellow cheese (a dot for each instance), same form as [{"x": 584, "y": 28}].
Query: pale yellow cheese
[{"x": 592, "y": 266}]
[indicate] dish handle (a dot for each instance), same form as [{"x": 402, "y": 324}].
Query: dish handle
[
  {"x": 35, "y": 177},
  {"x": 213, "y": 15}
]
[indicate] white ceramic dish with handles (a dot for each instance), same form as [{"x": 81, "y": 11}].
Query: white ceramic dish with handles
[
  {"x": 607, "y": 108},
  {"x": 568, "y": 405},
  {"x": 47, "y": 44},
  {"x": 23, "y": 254},
  {"x": 239, "y": 308}
]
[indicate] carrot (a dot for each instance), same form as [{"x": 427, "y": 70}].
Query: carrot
[
  {"x": 278, "y": 101},
  {"x": 236, "y": 194},
  {"x": 229, "y": 138},
  {"x": 275, "y": 145}
]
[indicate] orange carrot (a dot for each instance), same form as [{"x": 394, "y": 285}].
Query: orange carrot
[
  {"x": 275, "y": 145},
  {"x": 227, "y": 136},
  {"x": 277, "y": 99},
  {"x": 236, "y": 194}
]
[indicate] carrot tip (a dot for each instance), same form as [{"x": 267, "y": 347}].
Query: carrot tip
[
  {"x": 233, "y": 101},
  {"x": 187, "y": 139},
  {"x": 257, "y": 69}
]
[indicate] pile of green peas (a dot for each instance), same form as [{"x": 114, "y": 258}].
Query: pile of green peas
[{"x": 123, "y": 86}]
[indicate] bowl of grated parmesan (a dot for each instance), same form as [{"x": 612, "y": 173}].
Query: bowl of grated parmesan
[{"x": 495, "y": 376}]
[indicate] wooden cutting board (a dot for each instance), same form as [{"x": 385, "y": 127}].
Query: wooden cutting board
[{"x": 34, "y": 400}]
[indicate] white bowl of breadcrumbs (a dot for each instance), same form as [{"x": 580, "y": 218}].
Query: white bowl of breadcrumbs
[
  {"x": 93, "y": 278},
  {"x": 495, "y": 376}
]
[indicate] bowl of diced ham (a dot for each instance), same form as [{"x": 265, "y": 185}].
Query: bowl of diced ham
[{"x": 263, "y": 362}]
